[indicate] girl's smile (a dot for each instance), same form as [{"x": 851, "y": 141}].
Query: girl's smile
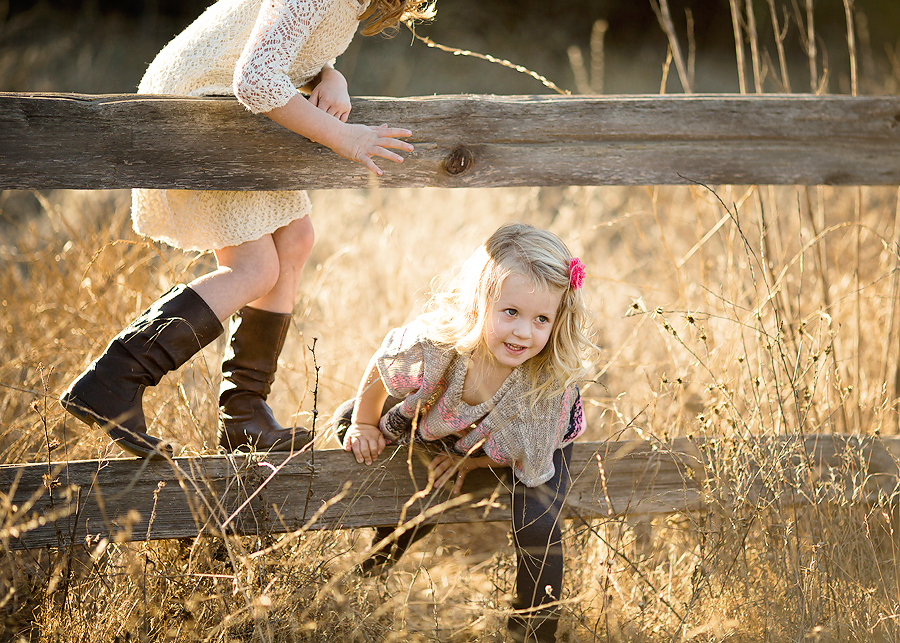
[{"x": 520, "y": 321}]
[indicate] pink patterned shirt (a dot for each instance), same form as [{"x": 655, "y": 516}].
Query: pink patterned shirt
[{"x": 429, "y": 378}]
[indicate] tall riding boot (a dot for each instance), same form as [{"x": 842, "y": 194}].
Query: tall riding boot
[
  {"x": 248, "y": 370},
  {"x": 165, "y": 336}
]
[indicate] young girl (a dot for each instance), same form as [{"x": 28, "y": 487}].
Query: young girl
[
  {"x": 491, "y": 372},
  {"x": 259, "y": 50}
]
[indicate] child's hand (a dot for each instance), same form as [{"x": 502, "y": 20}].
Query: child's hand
[
  {"x": 366, "y": 442},
  {"x": 361, "y": 142},
  {"x": 443, "y": 467},
  {"x": 354, "y": 142},
  {"x": 330, "y": 94}
]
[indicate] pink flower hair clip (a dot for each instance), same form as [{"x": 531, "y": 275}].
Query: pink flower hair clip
[{"x": 576, "y": 273}]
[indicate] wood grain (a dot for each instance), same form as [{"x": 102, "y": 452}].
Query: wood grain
[
  {"x": 123, "y": 141},
  {"x": 54, "y": 505}
]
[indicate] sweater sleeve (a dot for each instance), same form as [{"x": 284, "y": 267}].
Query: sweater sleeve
[
  {"x": 401, "y": 362},
  {"x": 261, "y": 81},
  {"x": 576, "y": 423}
]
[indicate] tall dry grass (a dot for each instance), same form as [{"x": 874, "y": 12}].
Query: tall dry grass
[
  {"x": 716, "y": 321},
  {"x": 723, "y": 312}
]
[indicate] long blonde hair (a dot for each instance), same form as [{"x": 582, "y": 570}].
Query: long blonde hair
[
  {"x": 386, "y": 15},
  {"x": 457, "y": 314}
]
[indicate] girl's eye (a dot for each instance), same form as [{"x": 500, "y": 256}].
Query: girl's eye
[
  {"x": 511, "y": 312},
  {"x": 543, "y": 320}
]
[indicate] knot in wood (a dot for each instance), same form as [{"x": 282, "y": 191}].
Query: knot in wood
[{"x": 458, "y": 161}]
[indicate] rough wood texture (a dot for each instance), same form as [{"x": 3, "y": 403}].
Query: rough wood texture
[
  {"x": 122, "y": 141},
  {"x": 138, "y": 500}
]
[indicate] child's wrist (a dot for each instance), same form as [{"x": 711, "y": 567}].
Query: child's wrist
[
  {"x": 333, "y": 133},
  {"x": 332, "y": 74}
]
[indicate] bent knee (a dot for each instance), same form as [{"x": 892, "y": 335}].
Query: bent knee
[
  {"x": 256, "y": 273},
  {"x": 295, "y": 241},
  {"x": 261, "y": 276},
  {"x": 267, "y": 276}
]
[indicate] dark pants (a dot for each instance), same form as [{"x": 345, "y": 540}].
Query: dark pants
[{"x": 537, "y": 534}]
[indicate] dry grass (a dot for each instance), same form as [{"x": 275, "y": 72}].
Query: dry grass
[
  {"x": 734, "y": 312},
  {"x": 710, "y": 327}
]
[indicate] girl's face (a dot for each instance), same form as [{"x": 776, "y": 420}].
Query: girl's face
[{"x": 520, "y": 321}]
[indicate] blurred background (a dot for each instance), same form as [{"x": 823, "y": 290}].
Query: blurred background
[
  {"x": 103, "y": 46},
  {"x": 722, "y": 313}
]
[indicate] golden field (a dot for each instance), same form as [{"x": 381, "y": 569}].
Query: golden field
[
  {"x": 726, "y": 311},
  {"x": 708, "y": 327}
]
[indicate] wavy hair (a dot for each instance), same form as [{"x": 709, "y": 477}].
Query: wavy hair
[
  {"x": 386, "y": 15},
  {"x": 457, "y": 314}
]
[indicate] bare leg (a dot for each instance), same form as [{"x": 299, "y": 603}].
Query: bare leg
[
  {"x": 257, "y": 336},
  {"x": 264, "y": 273},
  {"x": 245, "y": 273},
  {"x": 293, "y": 243}
]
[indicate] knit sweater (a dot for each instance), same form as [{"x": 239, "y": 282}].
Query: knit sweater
[
  {"x": 258, "y": 51},
  {"x": 429, "y": 378}
]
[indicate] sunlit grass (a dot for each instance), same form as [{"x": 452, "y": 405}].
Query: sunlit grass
[
  {"x": 722, "y": 314},
  {"x": 709, "y": 328}
]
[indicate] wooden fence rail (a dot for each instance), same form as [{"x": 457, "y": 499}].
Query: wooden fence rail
[
  {"x": 74, "y": 141},
  {"x": 52, "y": 505},
  {"x": 123, "y": 141}
]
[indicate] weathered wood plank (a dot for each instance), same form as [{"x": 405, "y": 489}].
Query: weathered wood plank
[
  {"x": 121, "y": 141},
  {"x": 273, "y": 494}
]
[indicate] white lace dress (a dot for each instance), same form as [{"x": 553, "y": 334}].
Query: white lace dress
[{"x": 259, "y": 51}]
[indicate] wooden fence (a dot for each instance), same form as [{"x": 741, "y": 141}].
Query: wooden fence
[
  {"x": 92, "y": 142},
  {"x": 89, "y": 142},
  {"x": 82, "y": 502}
]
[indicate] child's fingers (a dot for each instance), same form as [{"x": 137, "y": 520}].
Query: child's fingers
[
  {"x": 379, "y": 444},
  {"x": 388, "y": 137},
  {"x": 385, "y": 131},
  {"x": 394, "y": 143},
  {"x": 443, "y": 480},
  {"x": 369, "y": 163},
  {"x": 387, "y": 154},
  {"x": 381, "y": 150},
  {"x": 460, "y": 476},
  {"x": 436, "y": 469},
  {"x": 363, "y": 449},
  {"x": 442, "y": 469},
  {"x": 459, "y": 481},
  {"x": 339, "y": 112}
]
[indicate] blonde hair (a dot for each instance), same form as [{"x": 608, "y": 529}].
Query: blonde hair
[
  {"x": 457, "y": 314},
  {"x": 386, "y": 15}
]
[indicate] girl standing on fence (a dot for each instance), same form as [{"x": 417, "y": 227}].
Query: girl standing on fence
[
  {"x": 259, "y": 50},
  {"x": 490, "y": 373}
]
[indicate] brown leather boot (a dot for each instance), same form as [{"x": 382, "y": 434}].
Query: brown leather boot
[
  {"x": 161, "y": 339},
  {"x": 248, "y": 370}
]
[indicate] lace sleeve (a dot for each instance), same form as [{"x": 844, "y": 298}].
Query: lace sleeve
[{"x": 261, "y": 82}]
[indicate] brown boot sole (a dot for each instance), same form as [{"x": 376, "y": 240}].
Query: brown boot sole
[{"x": 137, "y": 444}]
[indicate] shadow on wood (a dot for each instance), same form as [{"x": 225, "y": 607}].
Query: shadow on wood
[{"x": 56, "y": 505}]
